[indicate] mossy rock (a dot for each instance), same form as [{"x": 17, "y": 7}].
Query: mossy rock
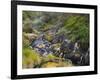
[
  {"x": 29, "y": 36},
  {"x": 48, "y": 36}
]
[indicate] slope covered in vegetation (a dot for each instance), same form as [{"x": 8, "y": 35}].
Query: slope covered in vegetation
[{"x": 53, "y": 39}]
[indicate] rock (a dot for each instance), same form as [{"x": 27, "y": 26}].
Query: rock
[
  {"x": 85, "y": 60},
  {"x": 30, "y": 36},
  {"x": 75, "y": 58},
  {"x": 42, "y": 46},
  {"x": 58, "y": 38},
  {"x": 67, "y": 47}
]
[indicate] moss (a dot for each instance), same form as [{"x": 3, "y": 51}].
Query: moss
[
  {"x": 27, "y": 27},
  {"x": 74, "y": 27},
  {"x": 51, "y": 56},
  {"x": 57, "y": 64},
  {"x": 30, "y": 57},
  {"x": 25, "y": 41},
  {"x": 57, "y": 45},
  {"x": 50, "y": 64},
  {"x": 36, "y": 31},
  {"x": 48, "y": 37}
]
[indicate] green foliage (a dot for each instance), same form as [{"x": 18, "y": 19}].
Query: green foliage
[
  {"x": 74, "y": 27},
  {"x": 36, "y": 31},
  {"x": 30, "y": 58},
  {"x": 51, "y": 56},
  {"x": 48, "y": 36},
  {"x": 78, "y": 25},
  {"x": 62, "y": 31},
  {"x": 27, "y": 28},
  {"x": 45, "y": 27},
  {"x": 25, "y": 41},
  {"x": 28, "y": 15},
  {"x": 57, "y": 45}
]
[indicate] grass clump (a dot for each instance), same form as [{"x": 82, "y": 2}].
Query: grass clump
[{"x": 30, "y": 58}]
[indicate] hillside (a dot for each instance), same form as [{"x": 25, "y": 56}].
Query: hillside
[{"x": 52, "y": 39}]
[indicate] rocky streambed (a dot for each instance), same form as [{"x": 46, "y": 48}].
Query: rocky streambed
[{"x": 62, "y": 48}]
